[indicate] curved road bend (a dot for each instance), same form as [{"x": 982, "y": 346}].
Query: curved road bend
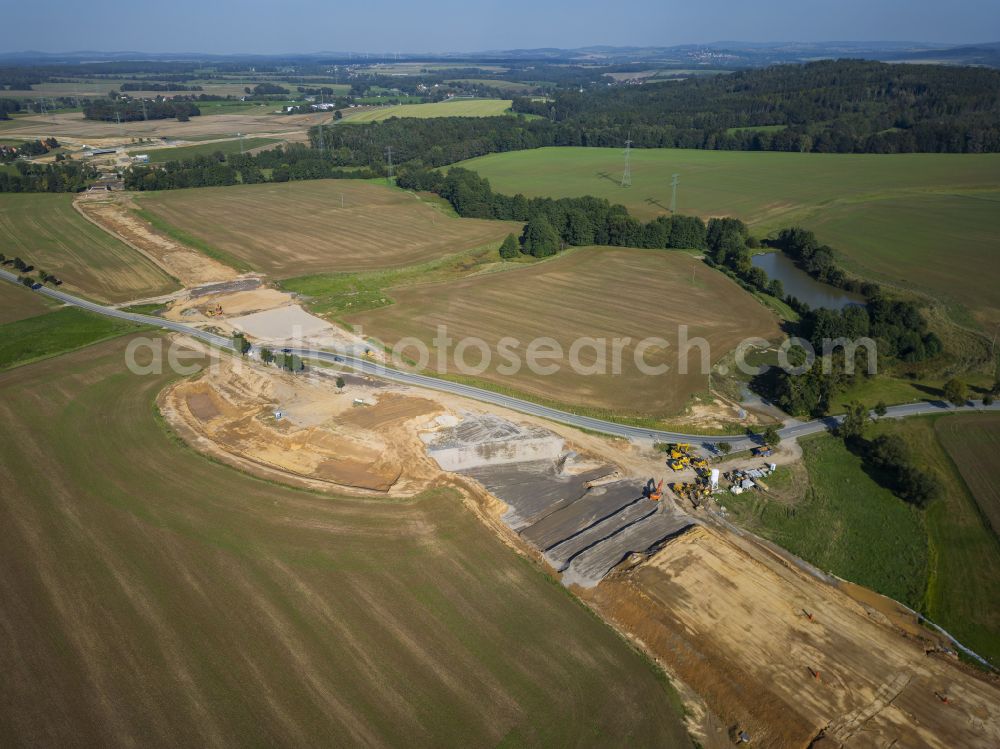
[{"x": 381, "y": 371}]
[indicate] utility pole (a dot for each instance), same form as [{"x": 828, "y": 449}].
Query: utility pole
[
  {"x": 627, "y": 174},
  {"x": 389, "y": 174},
  {"x": 674, "y": 180},
  {"x": 144, "y": 117}
]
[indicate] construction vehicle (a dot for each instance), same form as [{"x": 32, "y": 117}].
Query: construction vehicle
[
  {"x": 764, "y": 451},
  {"x": 653, "y": 492},
  {"x": 676, "y": 465},
  {"x": 215, "y": 312}
]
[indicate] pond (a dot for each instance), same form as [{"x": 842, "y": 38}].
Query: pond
[{"x": 801, "y": 285}]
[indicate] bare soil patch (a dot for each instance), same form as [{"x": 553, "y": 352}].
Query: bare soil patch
[
  {"x": 303, "y": 426},
  {"x": 111, "y": 212},
  {"x": 731, "y": 620}
]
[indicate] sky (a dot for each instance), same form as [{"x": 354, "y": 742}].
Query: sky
[{"x": 283, "y": 26}]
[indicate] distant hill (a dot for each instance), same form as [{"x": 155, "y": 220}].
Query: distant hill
[{"x": 734, "y": 54}]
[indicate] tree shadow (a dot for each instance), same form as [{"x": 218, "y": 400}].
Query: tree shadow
[{"x": 936, "y": 392}]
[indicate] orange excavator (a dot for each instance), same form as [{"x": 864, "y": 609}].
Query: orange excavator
[{"x": 652, "y": 492}]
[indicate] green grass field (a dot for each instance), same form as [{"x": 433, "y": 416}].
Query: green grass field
[
  {"x": 845, "y": 523},
  {"x": 46, "y": 231},
  {"x": 963, "y": 587},
  {"x": 949, "y": 243},
  {"x": 943, "y": 561},
  {"x": 923, "y": 221},
  {"x": 53, "y": 333},
  {"x": 161, "y": 155},
  {"x": 150, "y": 596},
  {"x": 453, "y": 108}
]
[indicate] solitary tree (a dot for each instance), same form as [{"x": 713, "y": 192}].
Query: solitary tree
[
  {"x": 266, "y": 355},
  {"x": 988, "y": 399},
  {"x": 771, "y": 436},
  {"x": 340, "y": 383},
  {"x": 880, "y": 409},
  {"x": 956, "y": 392},
  {"x": 853, "y": 425},
  {"x": 240, "y": 343},
  {"x": 724, "y": 447}
]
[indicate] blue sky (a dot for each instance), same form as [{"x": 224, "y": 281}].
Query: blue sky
[{"x": 227, "y": 26}]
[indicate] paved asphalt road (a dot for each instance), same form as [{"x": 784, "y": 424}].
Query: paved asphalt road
[{"x": 381, "y": 371}]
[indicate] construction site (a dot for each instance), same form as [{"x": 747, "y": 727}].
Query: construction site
[{"x": 763, "y": 648}]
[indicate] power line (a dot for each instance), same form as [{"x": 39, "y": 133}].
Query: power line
[
  {"x": 627, "y": 174},
  {"x": 674, "y": 181},
  {"x": 389, "y": 175}
]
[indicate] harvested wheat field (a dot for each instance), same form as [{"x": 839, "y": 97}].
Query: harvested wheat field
[
  {"x": 45, "y": 231},
  {"x": 733, "y": 622},
  {"x": 73, "y": 128},
  {"x": 595, "y": 292},
  {"x": 19, "y": 303},
  {"x": 151, "y": 597},
  {"x": 317, "y": 226}
]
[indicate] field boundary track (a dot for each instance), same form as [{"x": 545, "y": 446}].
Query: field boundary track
[{"x": 602, "y": 426}]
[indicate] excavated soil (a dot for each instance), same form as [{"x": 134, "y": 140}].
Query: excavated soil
[
  {"x": 113, "y": 213},
  {"x": 320, "y": 438},
  {"x": 732, "y": 621}
]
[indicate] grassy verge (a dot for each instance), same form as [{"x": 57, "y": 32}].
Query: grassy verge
[
  {"x": 184, "y": 238},
  {"x": 55, "y": 333},
  {"x": 143, "y": 309}
]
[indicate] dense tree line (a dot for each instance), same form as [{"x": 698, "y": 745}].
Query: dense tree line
[
  {"x": 818, "y": 260},
  {"x": 28, "y": 148},
  {"x": 832, "y": 106},
  {"x": 128, "y": 110},
  {"x": 7, "y": 107},
  {"x": 552, "y": 225},
  {"x": 431, "y": 142},
  {"x": 142, "y": 85},
  {"x": 267, "y": 89},
  {"x": 64, "y": 176},
  {"x": 898, "y": 329},
  {"x": 293, "y": 162}
]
